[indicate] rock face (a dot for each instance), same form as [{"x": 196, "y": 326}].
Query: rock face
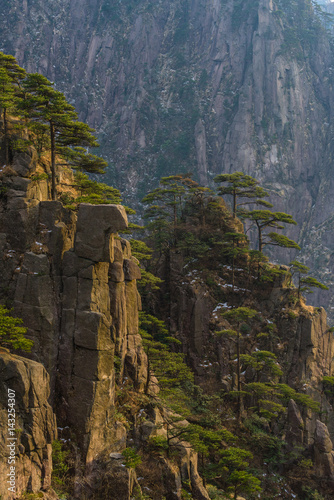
[
  {"x": 323, "y": 452},
  {"x": 78, "y": 315},
  {"x": 295, "y": 425},
  {"x": 73, "y": 281},
  {"x": 25, "y": 385},
  {"x": 211, "y": 86}
]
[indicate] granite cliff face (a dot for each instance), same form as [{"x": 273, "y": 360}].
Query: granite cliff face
[{"x": 197, "y": 85}]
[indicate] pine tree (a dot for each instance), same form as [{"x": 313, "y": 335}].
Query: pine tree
[
  {"x": 237, "y": 317},
  {"x": 305, "y": 284},
  {"x": 12, "y": 334},
  {"x": 242, "y": 186},
  {"x": 233, "y": 249},
  {"x": 10, "y": 77},
  {"x": 43, "y": 104},
  {"x": 266, "y": 219}
]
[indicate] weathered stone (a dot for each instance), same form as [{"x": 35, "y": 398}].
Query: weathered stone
[
  {"x": 189, "y": 471},
  {"x": 24, "y": 162},
  {"x": 92, "y": 365},
  {"x": 93, "y": 292},
  {"x": 116, "y": 272},
  {"x": 119, "y": 315},
  {"x": 92, "y": 331},
  {"x": 66, "y": 347},
  {"x": 72, "y": 264},
  {"x": 131, "y": 270},
  {"x": 70, "y": 292},
  {"x": 126, "y": 248},
  {"x": 322, "y": 440},
  {"x": 95, "y": 225},
  {"x": 19, "y": 183},
  {"x": 323, "y": 456},
  {"x": 132, "y": 307},
  {"x": 118, "y": 250},
  {"x": 136, "y": 362},
  {"x": 295, "y": 425},
  {"x": 35, "y": 264},
  {"x": 34, "y": 416},
  {"x": 116, "y": 456},
  {"x": 172, "y": 479}
]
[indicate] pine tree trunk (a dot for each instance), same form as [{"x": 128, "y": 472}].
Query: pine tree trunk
[
  {"x": 6, "y": 136},
  {"x": 260, "y": 237},
  {"x": 238, "y": 376},
  {"x": 147, "y": 385},
  {"x": 53, "y": 161}
]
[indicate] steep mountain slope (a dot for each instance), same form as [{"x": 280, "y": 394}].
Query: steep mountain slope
[
  {"x": 74, "y": 282},
  {"x": 207, "y": 86}
]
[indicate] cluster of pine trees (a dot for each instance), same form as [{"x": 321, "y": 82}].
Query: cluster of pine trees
[
  {"x": 34, "y": 113},
  {"x": 194, "y": 222}
]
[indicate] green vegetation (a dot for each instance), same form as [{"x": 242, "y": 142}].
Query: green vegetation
[
  {"x": 60, "y": 472},
  {"x": 53, "y": 128},
  {"x": 12, "y": 335},
  {"x": 132, "y": 459},
  {"x": 304, "y": 283},
  {"x": 192, "y": 234},
  {"x": 242, "y": 186},
  {"x": 42, "y": 104},
  {"x": 266, "y": 219}
]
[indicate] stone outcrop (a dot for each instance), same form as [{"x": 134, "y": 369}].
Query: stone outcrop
[
  {"x": 295, "y": 426},
  {"x": 73, "y": 281},
  {"x": 27, "y": 383},
  {"x": 323, "y": 453}
]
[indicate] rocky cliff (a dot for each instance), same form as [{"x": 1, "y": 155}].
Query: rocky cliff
[
  {"x": 197, "y": 85},
  {"x": 72, "y": 279}
]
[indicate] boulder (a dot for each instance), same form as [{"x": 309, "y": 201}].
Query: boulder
[
  {"x": 131, "y": 270},
  {"x": 95, "y": 225},
  {"x": 116, "y": 272},
  {"x": 295, "y": 425}
]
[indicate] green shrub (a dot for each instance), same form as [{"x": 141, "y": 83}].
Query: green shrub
[{"x": 132, "y": 459}]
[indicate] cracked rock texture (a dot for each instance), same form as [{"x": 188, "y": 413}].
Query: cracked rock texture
[
  {"x": 72, "y": 279},
  {"x": 35, "y": 425}
]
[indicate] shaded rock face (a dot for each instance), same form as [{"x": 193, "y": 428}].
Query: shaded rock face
[
  {"x": 26, "y": 382},
  {"x": 209, "y": 86},
  {"x": 323, "y": 453}
]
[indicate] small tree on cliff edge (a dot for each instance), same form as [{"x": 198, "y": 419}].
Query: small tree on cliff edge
[
  {"x": 305, "y": 284},
  {"x": 242, "y": 186},
  {"x": 265, "y": 219},
  {"x": 43, "y": 104}
]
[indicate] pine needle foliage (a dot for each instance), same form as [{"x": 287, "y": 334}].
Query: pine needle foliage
[{"x": 12, "y": 334}]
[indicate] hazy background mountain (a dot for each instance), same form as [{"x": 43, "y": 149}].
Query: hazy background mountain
[{"x": 207, "y": 86}]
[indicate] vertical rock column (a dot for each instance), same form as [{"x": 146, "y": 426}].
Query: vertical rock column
[
  {"x": 125, "y": 302},
  {"x": 35, "y": 425},
  {"x": 86, "y": 357}
]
